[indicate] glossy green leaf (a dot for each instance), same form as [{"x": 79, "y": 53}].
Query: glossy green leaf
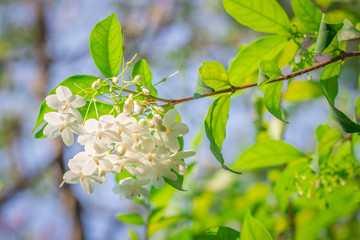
[
  {"x": 131, "y": 218},
  {"x": 214, "y": 75},
  {"x": 222, "y": 233},
  {"x": 272, "y": 99},
  {"x": 142, "y": 68},
  {"x": 267, "y": 153},
  {"x": 286, "y": 56},
  {"x": 106, "y": 46},
  {"x": 177, "y": 184},
  {"x": 268, "y": 70},
  {"x": 248, "y": 58},
  {"x": 215, "y": 126},
  {"x": 327, "y": 32},
  {"x": 302, "y": 90},
  {"x": 348, "y": 32},
  {"x": 95, "y": 110},
  {"x": 252, "y": 229},
  {"x": 326, "y": 140},
  {"x": 78, "y": 85},
  {"x": 263, "y": 16},
  {"x": 328, "y": 81},
  {"x": 201, "y": 88},
  {"x": 309, "y": 14}
]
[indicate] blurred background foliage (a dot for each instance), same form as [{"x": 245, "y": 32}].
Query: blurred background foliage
[{"x": 43, "y": 42}]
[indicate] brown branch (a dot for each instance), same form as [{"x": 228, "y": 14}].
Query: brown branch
[{"x": 233, "y": 89}]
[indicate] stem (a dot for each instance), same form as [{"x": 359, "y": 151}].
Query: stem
[{"x": 233, "y": 89}]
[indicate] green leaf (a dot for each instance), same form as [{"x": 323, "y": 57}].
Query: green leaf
[
  {"x": 177, "y": 184},
  {"x": 348, "y": 32},
  {"x": 267, "y": 153},
  {"x": 326, "y": 140},
  {"x": 248, "y": 58},
  {"x": 357, "y": 108},
  {"x": 263, "y": 16},
  {"x": 133, "y": 235},
  {"x": 131, "y": 218},
  {"x": 142, "y": 68},
  {"x": 122, "y": 175},
  {"x": 268, "y": 70},
  {"x": 302, "y": 90},
  {"x": 215, "y": 126},
  {"x": 272, "y": 99},
  {"x": 309, "y": 14},
  {"x": 95, "y": 110},
  {"x": 327, "y": 32},
  {"x": 222, "y": 233},
  {"x": 328, "y": 81},
  {"x": 201, "y": 88},
  {"x": 164, "y": 222},
  {"x": 214, "y": 75},
  {"x": 106, "y": 46},
  {"x": 78, "y": 85},
  {"x": 252, "y": 229}
]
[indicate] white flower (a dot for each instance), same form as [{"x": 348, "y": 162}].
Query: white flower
[
  {"x": 125, "y": 125},
  {"x": 87, "y": 182},
  {"x": 62, "y": 124},
  {"x": 173, "y": 130},
  {"x": 64, "y": 101},
  {"x": 98, "y": 133},
  {"x": 90, "y": 161},
  {"x": 131, "y": 188},
  {"x": 178, "y": 163}
]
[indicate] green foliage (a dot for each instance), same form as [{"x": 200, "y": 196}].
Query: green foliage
[
  {"x": 267, "y": 153},
  {"x": 327, "y": 32},
  {"x": 268, "y": 70},
  {"x": 106, "y": 46},
  {"x": 328, "y": 81},
  {"x": 302, "y": 90},
  {"x": 142, "y": 68},
  {"x": 131, "y": 218},
  {"x": 253, "y": 229},
  {"x": 308, "y": 14},
  {"x": 222, "y": 233},
  {"x": 272, "y": 99},
  {"x": 260, "y": 15},
  {"x": 214, "y": 75},
  {"x": 348, "y": 32},
  {"x": 215, "y": 126},
  {"x": 248, "y": 58}
]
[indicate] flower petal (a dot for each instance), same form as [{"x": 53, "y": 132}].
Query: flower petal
[
  {"x": 170, "y": 117},
  {"x": 51, "y": 131},
  {"x": 77, "y": 101},
  {"x": 67, "y": 136},
  {"x": 63, "y": 93},
  {"x": 53, "y": 102},
  {"x": 180, "y": 129},
  {"x": 53, "y": 118},
  {"x": 87, "y": 185}
]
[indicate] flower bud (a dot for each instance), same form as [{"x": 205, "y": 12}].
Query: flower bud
[
  {"x": 142, "y": 122},
  {"x": 121, "y": 150},
  {"x": 138, "y": 108},
  {"x": 115, "y": 80},
  {"x": 129, "y": 104},
  {"x": 117, "y": 108},
  {"x": 137, "y": 79},
  {"x": 96, "y": 85},
  {"x": 159, "y": 109},
  {"x": 151, "y": 123},
  {"x": 158, "y": 120},
  {"x": 145, "y": 90},
  {"x": 113, "y": 95}
]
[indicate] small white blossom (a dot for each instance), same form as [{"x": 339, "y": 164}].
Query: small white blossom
[
  {"x": 64, "y": 101},
  {"x": 62, "y": 124},
  {"x": 178, "y": 163},
  {"x": 131, "y": 188},
  {"x": 87, "y": 182},
  {"x": 173, "y": 130}
]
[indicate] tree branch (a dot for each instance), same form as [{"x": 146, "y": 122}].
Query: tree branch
[{"x": 233, "y": 89}]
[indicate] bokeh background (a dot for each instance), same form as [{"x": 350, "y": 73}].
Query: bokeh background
[{"x": 43, "y": 42}]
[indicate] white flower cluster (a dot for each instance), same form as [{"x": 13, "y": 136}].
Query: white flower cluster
[{"x": 147, "y": 148}]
